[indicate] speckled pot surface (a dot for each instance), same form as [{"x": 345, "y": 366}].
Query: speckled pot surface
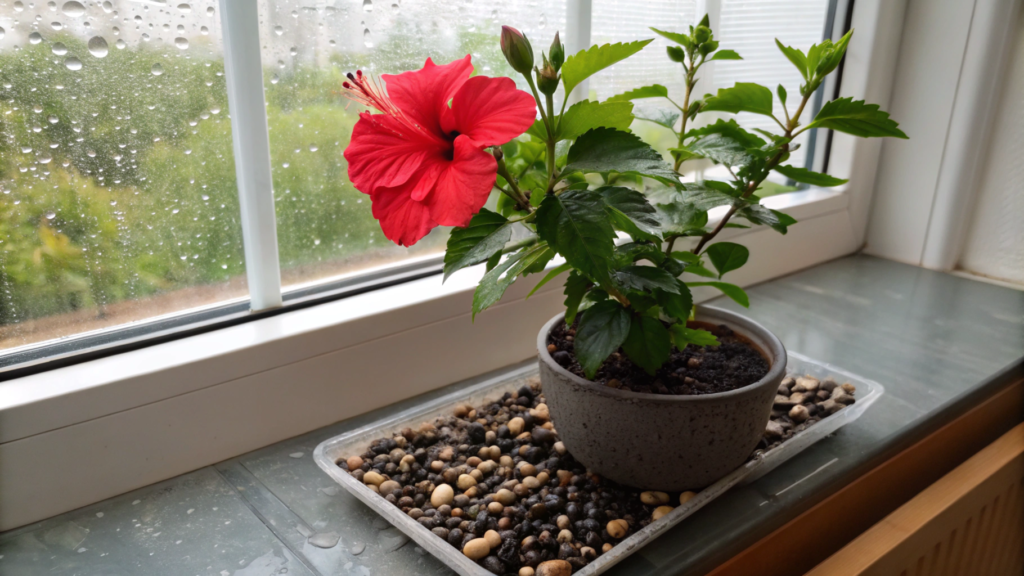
[{"x": 658, "y": 441}]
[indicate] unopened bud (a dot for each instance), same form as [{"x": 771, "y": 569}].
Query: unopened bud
[
  {"x": 702, "y": 34},
  {"x": 547, "y": 78},
  {"x": 557, "y": 53},
  {"x": 517, "y": 50}
]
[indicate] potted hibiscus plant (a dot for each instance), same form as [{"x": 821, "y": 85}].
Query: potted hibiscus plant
[{"x": 632, "y": 370}]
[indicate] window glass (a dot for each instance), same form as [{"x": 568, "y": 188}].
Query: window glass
[
  {"x": 325, "y": 226},
  {"x": 117, "y": 185},
  {"x": 748, "y": 26}
]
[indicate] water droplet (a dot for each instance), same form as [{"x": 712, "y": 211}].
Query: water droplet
[
  {"x": 367, "y": 40},
  {"x": 313, "y": 147},
  {"x": 51, "y": 215},
  {"x": 73, "y": 9},
  {"x": 157, "y": 69},
  {"x": 73, "y": 64},
  {"x": 26, "y": 149},
  {"x": 279, "y": 30},
  {"x": 2, "y": 32},
  {"x": 293, "y": 50},
  {"x": 209, "y": 11},
  {"x": 184, "y": 8},
  {"x": 35, "y": 38},
  {"x": 367, "y": 5},
  {"x": 204, "y": 30},
  {"x": 395, "y": 7},
  {"x": 52, "y": 119},
  {"x": 59, "y": 49},
  {"x": 108, "y": 7},
  {"x": 19, "y": 6},
  {"x": 56, "y": 25},
  {"x": 121, "y": 44},
  {"x": 543, "y": 21},
  {"x": 181, "y": 43},
  {"x": 37, "y": 108},
  {"x": 145, "y": 37},
  {"x": 91, "y": 153},
  {"x": 332, "y": 43},
  {"x": 98, "y": 46},
  {"x": 285, "y": 165},
  {"x": 215, "y": 110},
  {"x": 275, "y": 79},
  {"x": 44, "y": 158}
]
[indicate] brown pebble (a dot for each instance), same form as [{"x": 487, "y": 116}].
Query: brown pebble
[
  {"x": 653, "y": 498},
  {"x": 505, "y": 497},
  {"x": 563, "y": 522},
  {"x": 495, "y": 508},
  {"x": 552, "y": 348},
  {"x": 799, "y": 413},
  {"x": 354, "y": 463},
  {"x": 442, "y": 494},
  {"x": 389, "y": 486},
  {"x": 660, "y": 511},
  {"x": 564, "y": 536},
  {"x": 528, "y": 469},
  {"x": 515, "y": 426},
  {"x": 492, "y": 538},
  {"x": 526, "y": 571},
  {"x": 461, "y": 411},
  {"x": 686, "y": 497},
  {"x": 614, "y": 383},
  {"x": 373, "y": 477},
  {"x": 543, "y": 478},
  {"x": 436, "y": 466},
  {"x": 476, "y": 548},
  {"x": 606, "y": 548},
  {"x": 446, "y": 454},
  {"x": 849, "y": 388},
  {"x": 617, "y": 528},
  {"x": 473, "y": 461},
  {"x": 693, "y": 363},
  {"x": 554, "y": 568}
]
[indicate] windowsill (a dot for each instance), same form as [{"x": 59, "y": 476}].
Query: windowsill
[{"x": 876, "y": 318}]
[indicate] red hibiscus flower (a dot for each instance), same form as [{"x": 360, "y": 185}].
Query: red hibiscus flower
[{"x": 421, "y": 160}]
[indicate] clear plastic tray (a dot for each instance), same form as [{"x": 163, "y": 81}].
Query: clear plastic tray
[{"x": 331, "y": 451}]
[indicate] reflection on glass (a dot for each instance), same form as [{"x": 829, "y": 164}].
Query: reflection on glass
[
  {"x": 117, "y": 185},
  {"x": 325, "y": 226}
]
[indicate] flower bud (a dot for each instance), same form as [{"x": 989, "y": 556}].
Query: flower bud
[
  {"x": 676, "y": 54},
  {"x": 517, "y": 49},
  {"x": 547, "y": 78},
  {"x": 557, "y": 53},
  {"x": 702, "y": 34}
]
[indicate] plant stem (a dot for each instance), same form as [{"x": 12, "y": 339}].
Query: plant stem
[
  {"x": 552, "y": 175},
  {"x": 751, "y": 186},
  {"x": 540, "y": 105},
  {"x": 516, "y": 194},
  {"x": 686, "y": 105}
]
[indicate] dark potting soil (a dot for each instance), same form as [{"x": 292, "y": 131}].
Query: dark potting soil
[{"x": 691, "y": 371}]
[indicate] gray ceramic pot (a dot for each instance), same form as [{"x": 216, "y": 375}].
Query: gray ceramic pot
[{"x": 656, "y": 441}]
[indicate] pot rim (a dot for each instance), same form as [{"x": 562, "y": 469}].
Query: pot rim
[{"x": 776, "y": 350}]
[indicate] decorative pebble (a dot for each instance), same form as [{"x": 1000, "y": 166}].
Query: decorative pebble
[
  {"x": 466, "y": 482},
  {"x": 652, "y": 498},
  {"x": 492, "y": 538},
  {"x": 354, "y": 462},
  {"x": 442, "y": 494},
  {"x": 617, "y": 528},
  {"x": 554, "y": 568},
  {"x": 526, "y": 571},
  {"x": 476, "y": 548},
  {"x": 373, "y": 478},
  {"x": 686, "y": 497},
  {"x": 799, "y": 413},
  {"x": 660, "y": 511}
]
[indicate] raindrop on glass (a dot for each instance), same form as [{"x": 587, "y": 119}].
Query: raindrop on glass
[
  {"x": 19, "y": 6},
  {"x": 44, "y": 158},
  {"x": 52, "y": 119},
  {"x": 73, "y": 64},
  {"x": 331, "y": 42},
  {"x": 293, "y": 51},
  {"x": 204, "y": 30},
  {"x": 157, "y": 69},
  {"x": 35, "y": 38},
  {"x": 26, "y": 149},
  {"x": 121, "y": 44},
  {"x": 278, "y": 30},
  {"x": 275, "y": 79},
  {"x": 181, "y": 43},
  {"x": 395, "y": 7},
  {"x": 37, "y": 108},
  {"x": 209, "y": 11},
  {"x": 367, "y": 5},
  {"x": 108, "y": 7},
  {"x": 367, "y": 40},
  {"x": 184, "y": 8},
  {"x": 145, "y": 37},
  {"x": 313, "y": 147},
  {"x": 56, "y": 25},
  {"x": 52, "y": 6},
  {"x": 543, "y": 21},
  {"x": 73, "y": 9},
  {"x": 51, "y": 215},
  {"x": 2, "y": 32},
  {"x": 98, "y": 47},
  {"x": 59, "y": 49}
]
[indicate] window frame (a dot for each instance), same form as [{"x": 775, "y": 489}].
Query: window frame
[{"x": 128, "y": 420}]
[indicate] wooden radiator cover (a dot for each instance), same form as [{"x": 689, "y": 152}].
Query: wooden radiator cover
[{"x": 970, "y": 522}]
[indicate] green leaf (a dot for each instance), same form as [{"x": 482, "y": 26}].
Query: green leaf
[
  {"x": 681, "y": 217},
  {"x": 586, "y": 63},
  {"x": 781, "y": 91},
  {"x": 602, "y": 330},
  {"x": 704, "y": 197},
  {"x": 576, "y": 225},
  {"x": 727, "y": 256},
  {"x": 676, "y": 37},
  {"x": 576, "y": 286},
  {"x": 652, "y": 91},
  {"x": 495, "y": 282},
  {"x": 731, "y": 290},
  {"x": 698, "y": 269},
  {"x": 538, "y": 131},
  {"x": 857, "y": 118},
  {"x": 666, "y": 117},
  {"x": 681, "y": 336},
  {"x": 726, "y": 55},
  {"x": 642, "y": 278},
  {"x": 743, "y": 97},
  {"x": 607, "y": 150},
  {"x": 758, "y": 214},
  {"x": 493, "y": 261},
  {"x": 631, "y": 212},
  {"x": 795, "y": 56},
  {"x": 722, "y": 149},
  {"x": 809, "y": 177},
  {"x": 550, "y": 276},
  {"x": 648, "y": 344},
  {"x": 487, "y": 234},
  {"x": 587, "y": 115},
  {"x": 833, "y": 56},
  {"x": 676, "y": 304},
  {"x": 731, "y": 129}
]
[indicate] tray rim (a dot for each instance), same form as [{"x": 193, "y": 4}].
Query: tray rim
[{"x": 453, "y": 558}]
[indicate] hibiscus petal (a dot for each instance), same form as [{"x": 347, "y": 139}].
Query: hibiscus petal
[
  {"x": 385, "y": 152},
  {"x": 423, "y": 94},
  {"x": 403, "y": 220},
  {"x": 492, "y": 111},
  {"x": 464, "y": 185}
]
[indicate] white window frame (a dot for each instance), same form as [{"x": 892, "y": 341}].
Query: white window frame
[{"x": 82, "y": 433}]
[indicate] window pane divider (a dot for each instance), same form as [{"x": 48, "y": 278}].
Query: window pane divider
[
  {"x": 577, "y": 37},
  {"x": 251, "y": 142}
]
